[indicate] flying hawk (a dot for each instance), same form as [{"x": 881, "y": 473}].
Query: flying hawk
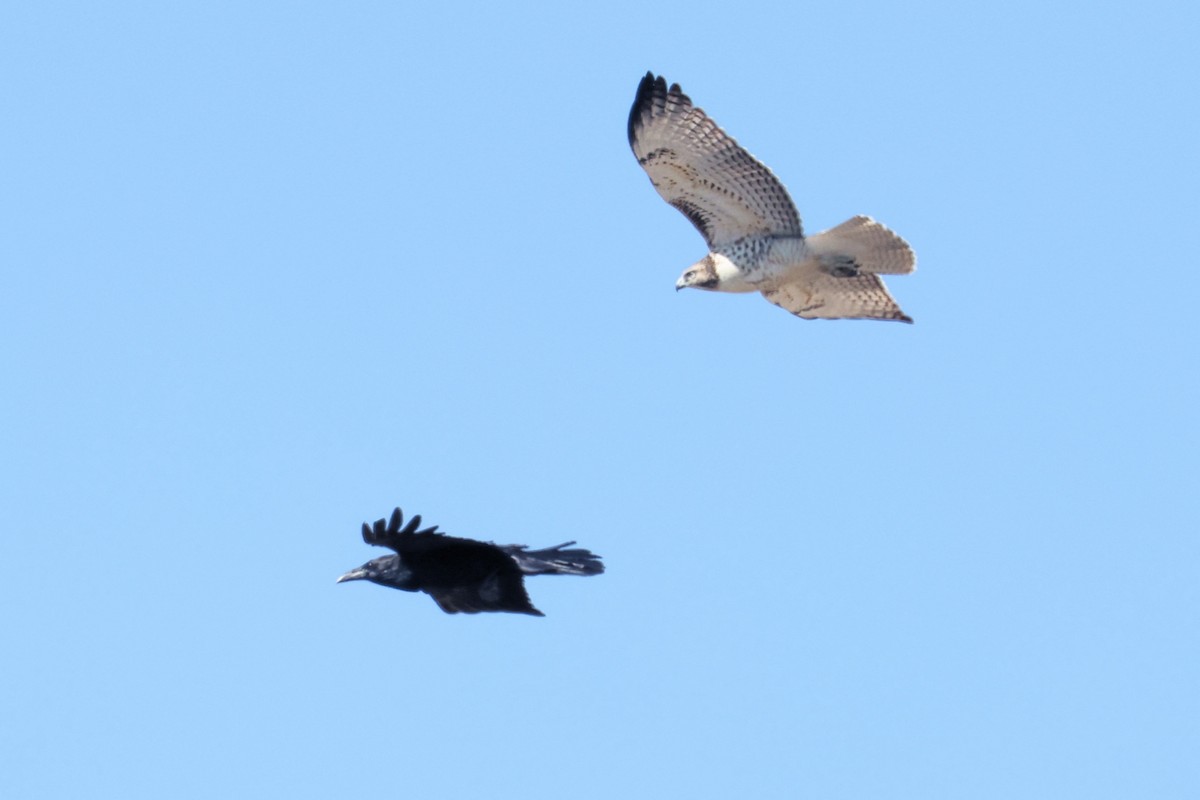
[
  {"x": 753, "y": 231},
  {"x": 463, "y": 575}
]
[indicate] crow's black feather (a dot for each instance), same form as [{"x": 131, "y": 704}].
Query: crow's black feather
[{"x": 463, "y": 575}]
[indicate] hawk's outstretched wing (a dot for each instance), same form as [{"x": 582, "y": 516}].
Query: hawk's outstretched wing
[
  {"x": 703, "y": 172},
  {"x": 828, "y": 297}
]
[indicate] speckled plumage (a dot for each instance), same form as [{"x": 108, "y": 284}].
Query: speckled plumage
[{"x": 755, "y": 238}]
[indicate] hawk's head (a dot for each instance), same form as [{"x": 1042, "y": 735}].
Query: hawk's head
[{"x": 701, "y": 275}]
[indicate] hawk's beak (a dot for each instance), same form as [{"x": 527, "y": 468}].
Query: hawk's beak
[{"x": 353, "y": 575}]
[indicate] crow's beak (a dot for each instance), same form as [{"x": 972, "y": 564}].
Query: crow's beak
[{"x": 353, "y": 575}]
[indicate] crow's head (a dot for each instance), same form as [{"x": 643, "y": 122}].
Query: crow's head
[{"x": 386, "y": 571}]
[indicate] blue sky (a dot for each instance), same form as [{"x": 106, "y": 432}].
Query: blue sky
[{"x": 270, "y": 270}]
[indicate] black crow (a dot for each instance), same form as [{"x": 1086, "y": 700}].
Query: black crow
[{"x": 464, "y": 575}]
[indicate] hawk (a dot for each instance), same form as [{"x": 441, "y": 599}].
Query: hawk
[
  {"x": 463, "y": 575},
  {"x": 755, "y": 240}
]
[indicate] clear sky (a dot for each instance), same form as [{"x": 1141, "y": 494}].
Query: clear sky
[{"x": 271, "y": 269}]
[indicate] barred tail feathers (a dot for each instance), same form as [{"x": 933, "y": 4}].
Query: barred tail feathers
[{"x": 873, "y": 247}]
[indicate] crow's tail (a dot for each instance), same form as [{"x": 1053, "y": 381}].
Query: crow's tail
[{"x": 555, "y": 560}]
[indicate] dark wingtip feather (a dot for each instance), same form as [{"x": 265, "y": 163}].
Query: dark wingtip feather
[
  {"x": 396, "y": 520},
  {"x": 367, "y": 537},
  {"x": 640, "y": 101}
]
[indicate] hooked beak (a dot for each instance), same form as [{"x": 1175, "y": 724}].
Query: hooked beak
[
  {"x": 679, "y": 284},
  {"x": 353, "y": 575}
]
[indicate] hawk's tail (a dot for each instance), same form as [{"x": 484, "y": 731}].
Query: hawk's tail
[
  {"x": 555, "y": 560},
  {"x": 860, "y": 244}
]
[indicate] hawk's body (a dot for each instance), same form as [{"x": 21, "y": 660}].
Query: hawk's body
[{"x": 755, "y": 239}]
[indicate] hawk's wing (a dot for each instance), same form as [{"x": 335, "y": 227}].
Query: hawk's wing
[
  {"x": 697, "y": 168},
  {"x": 829, "y": 297}
]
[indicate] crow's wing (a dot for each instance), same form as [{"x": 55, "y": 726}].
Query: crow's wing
[
  {"x": 461, "y": 575},
  {"x": 466, "y": 576},
  {"x": 495, "y": 593},
  {"x": 392, "y": 533}
]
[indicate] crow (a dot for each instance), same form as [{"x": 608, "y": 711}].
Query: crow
[{"x": 463, "y": 575}]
